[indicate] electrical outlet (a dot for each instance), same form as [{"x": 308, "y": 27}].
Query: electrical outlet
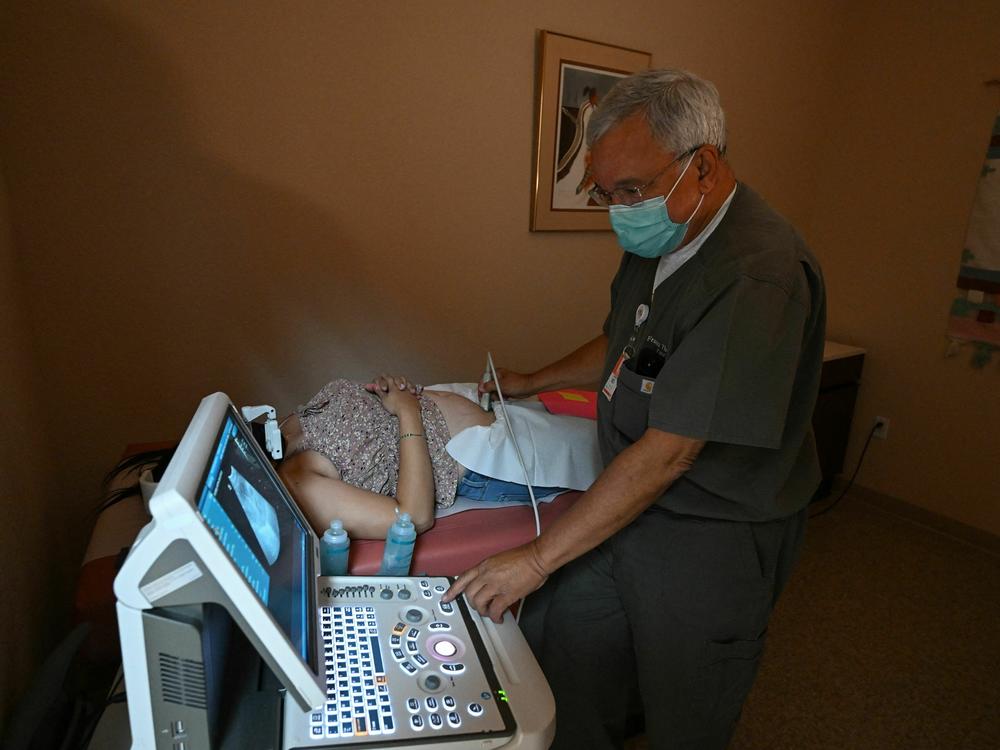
[{"x": 881, "y": 427}]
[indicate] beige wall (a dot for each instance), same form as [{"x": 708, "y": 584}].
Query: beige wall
[
  {"x": 900, "y": 154},
  {"x": 253, "y": 197},
  {"x": 25, "y": 498}
]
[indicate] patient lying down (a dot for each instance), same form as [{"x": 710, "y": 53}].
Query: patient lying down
[{"x": 360, "y": 452}]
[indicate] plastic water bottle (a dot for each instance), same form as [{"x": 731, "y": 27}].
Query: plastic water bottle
[
  {"x": 398, "y": 547},
  {"x": 333, "y": 548}
]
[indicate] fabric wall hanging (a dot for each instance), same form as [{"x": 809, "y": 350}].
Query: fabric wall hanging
[{"x": 975, "y": 313}]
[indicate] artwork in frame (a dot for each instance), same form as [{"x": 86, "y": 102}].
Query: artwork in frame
[{"x": 573, "y": 75}]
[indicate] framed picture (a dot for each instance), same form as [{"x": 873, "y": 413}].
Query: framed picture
[{"x": 573, "y": 76}]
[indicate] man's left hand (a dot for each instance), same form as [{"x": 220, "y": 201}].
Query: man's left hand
[{"x": 499, "y": 581}]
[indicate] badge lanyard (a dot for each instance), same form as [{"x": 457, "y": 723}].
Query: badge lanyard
[{"x": 641, "y": 314}]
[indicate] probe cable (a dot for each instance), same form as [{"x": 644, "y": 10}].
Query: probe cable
[
  {"x": 517, "y": 448},
  {"x": 520, "y": 458}
]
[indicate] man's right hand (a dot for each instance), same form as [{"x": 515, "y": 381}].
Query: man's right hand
[
  {"x": 499, "y": 581},
  {"x": 514, "y": 384}
]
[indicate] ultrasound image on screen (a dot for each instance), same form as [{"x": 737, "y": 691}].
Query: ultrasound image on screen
[
  {"x": 244, "y": 503},
  {"x": 261, "y": 515}
]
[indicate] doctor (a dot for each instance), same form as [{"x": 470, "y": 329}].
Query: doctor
[{"x": 709, "y": 363}]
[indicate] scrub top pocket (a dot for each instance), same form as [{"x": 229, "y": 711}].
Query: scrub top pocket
[{"x": 630, "y": 405}]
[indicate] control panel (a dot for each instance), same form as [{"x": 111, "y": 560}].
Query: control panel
[{"x": 400, "y": 665}]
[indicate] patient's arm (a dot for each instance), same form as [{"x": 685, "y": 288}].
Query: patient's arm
[
  {"x": 317, "y": 487},
  {"x": 323, "y": 495}
]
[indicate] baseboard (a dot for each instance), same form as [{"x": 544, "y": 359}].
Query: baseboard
[{"x": 929, "y": 519}]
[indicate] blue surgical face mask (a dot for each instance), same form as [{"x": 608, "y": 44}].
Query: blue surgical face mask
[{"x": 646, "y": 228}]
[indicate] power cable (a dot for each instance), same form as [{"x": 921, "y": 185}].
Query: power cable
[{"x": 850, "y": 483}]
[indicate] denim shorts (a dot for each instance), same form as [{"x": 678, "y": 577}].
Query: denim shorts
[{"x": 476, "y": 486}]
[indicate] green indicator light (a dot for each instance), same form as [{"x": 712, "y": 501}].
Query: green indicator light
[{"x": 502, "y": 695}]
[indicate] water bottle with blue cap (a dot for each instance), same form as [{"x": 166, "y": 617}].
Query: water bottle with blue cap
[
  {"x": 333, "y": 550},
  {"x": 399, "y": 543}
]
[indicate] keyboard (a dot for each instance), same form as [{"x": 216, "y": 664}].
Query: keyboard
[
  {"x": 357, "y": 690},
  {"x": 401, "y": 665}
]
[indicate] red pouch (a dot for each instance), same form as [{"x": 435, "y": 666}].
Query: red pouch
[{"x": 571, "y": 401}]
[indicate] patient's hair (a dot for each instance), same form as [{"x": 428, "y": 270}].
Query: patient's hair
[
  {"x": 132, "y": 467},
  {"x": 683, "y": 110}
]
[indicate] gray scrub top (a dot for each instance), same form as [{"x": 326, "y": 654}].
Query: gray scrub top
[{"x": 739, "y": 329}]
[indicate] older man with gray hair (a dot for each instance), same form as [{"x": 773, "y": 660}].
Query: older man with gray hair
[{"x": 709, "y": 366}]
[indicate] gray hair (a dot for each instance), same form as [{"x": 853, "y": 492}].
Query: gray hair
[{"x": 683, "y": 110}]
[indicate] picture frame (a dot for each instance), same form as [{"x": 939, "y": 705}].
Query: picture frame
[{"x": 573, "y": 75}]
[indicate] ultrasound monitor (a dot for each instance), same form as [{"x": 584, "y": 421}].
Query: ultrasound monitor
[
  {"x": 231, "y": 640},
  {"x": 226, "y": 544},
  {"x": 248, "y": 510}
]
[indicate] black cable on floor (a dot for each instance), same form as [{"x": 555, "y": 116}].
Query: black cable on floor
[
  {"x": 111, "y": 698},
  {"x": 850, "y": 483}
]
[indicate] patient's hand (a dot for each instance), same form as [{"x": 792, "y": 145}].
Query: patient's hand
[{"x": 396, "y": 393}]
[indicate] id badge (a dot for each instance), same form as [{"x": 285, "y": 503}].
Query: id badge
[{"x": 612, "y": 383}]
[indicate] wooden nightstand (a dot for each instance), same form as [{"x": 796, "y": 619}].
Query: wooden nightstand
[{"x": 838, "y": 390}]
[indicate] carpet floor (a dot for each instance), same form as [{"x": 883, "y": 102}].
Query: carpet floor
[{"x": 888, "y": 636}]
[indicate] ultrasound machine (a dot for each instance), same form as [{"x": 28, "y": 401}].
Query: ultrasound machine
[{"x": 231, "y": 639}]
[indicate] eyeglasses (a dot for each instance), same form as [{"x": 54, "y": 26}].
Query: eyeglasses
[{"x": 629, "y": 196}]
